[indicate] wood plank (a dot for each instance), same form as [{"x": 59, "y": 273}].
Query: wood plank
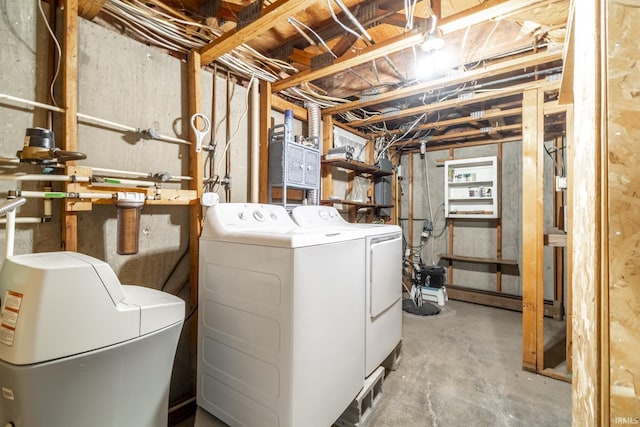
[
  {"x": 569, "y": 257},
  {"x": 327, "y": 143},
  {"x": 265, "y": 125},
  {"x": 351, "y": 59},
  {"x": 69, "y": 220},
  {"x": 272, "y": 15},
  {"x": 485, "y": 11},
  {"x": 529, "y": 231},
  {"x": 281, "y": 105},
  {"x": 620, "y": 274},
  {"x": 588, "y": 92},
  {"x": 499, "y": 220},
  {"x": 493, "y": 299},
  {"x": 539, "y": 236},
  {"x": 195, "y": 211},
  {"x": 479, "y": 260},
  {"x": 490, "y": 71}
]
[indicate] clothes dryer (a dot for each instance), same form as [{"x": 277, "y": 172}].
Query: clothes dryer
[
  {"x": 281, "y": 330},
  {"x": 383, "y": 278}
]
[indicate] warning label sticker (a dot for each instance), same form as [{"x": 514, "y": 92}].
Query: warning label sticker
[{"x": 9, "y": 317}]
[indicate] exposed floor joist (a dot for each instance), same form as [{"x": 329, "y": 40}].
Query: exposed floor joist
[{"x": 271, "y": 16}]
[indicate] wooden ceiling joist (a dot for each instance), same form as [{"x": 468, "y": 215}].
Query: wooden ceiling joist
[
  {"x": 485, "y": 11},
  {"x": 492, "y": 70},
  {"x": 271, "y": 16},
  {"x": 350, "y": 60},
  {"x": 456, "y": 103}
]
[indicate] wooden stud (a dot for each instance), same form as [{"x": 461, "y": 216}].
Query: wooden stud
[
  {"x": 539, "y": 236},
  {"x": 530, "y": 144},
  {"x": 499, "y": 220},
  {"x": 69, "y": 220},
  {"x": 271, "y": 16},
  {"x": 195, "y": 211},
  {"x": 450, "y": 223},
  {"x": 569, "y": 255},
  {"x": 410, "y": 202},
  {"x": 327, "y": 143},
  {"x": 265, "y": 125}
]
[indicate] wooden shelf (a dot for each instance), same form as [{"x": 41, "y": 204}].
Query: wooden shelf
[
  {"x": 356, "y": 166},
  {"x": 479, "y": 260}
]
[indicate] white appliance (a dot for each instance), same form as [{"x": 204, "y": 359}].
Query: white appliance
[
  {"x": 79, "y": 349},
  {"x": 281, "y": 331},
  {"x": 383, "y": 270}
]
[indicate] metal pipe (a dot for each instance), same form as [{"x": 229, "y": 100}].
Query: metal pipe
[{"x": 255, "y": 141}]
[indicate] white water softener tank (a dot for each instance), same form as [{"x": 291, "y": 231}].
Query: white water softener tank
[{"x": 78, "y": 349}]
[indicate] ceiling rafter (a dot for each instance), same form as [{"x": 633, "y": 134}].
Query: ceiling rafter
[{"x": 271, "y": 16}]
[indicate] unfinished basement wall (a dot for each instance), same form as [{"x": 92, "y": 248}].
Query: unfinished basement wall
[
  {"x": 476, "y": 237},
  {"x": 129, "y": 83}
]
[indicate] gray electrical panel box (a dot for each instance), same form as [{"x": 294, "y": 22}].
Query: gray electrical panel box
[{"x": 382, "y": 188}]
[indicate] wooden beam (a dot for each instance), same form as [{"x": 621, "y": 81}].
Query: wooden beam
[
  {"x": 485, "y": 11},
  {"x": 351, "y": 59},
  {"x": 69, "y": 220},
  {"x": 195, "y": 211},
  {"x": 492, "y": 71},
  {"x": 494, "y": 299},
  {"x": 272, "y": 15},
  {"x": 265, "y": 124},
  {"x": 281, "y": 105},
  {"x": 530, "y": 247},
  {"x": 327, "y": 171}
]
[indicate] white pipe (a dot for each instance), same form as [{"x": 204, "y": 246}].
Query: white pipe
[
  {"x": 25, "y": 220},
  {"x": 10, "y": 233},
  {"x": 130, "y": 129},
  {"x": 62, "y": 195},
  {"x": 92, "y": 119},
  {"x": 140, "y": 174},
  {"x": 9, "y": 208},
  {"x": 353, "y": 19},
  {"x": 32, "y": 103},
  {"x": 44, "y": 177},
  {"x": 123, "y": 181},
  {"x": 255, "y": 142}
]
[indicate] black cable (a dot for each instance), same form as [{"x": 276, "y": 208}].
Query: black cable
[{"x": 173, "y": 270}]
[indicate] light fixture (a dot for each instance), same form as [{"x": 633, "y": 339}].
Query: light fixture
[{"x": 432, "y": 41}]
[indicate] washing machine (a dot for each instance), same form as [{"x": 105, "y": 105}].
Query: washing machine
[
  {"x": 383, "y": 278},
  {"x": 281, "y": 330},
  {"x": 79, "y": 349}
]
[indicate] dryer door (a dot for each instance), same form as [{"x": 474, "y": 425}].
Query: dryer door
[{"x": 385, "y": 273}]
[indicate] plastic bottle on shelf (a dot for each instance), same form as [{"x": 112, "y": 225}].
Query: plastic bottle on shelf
[{"x": 288, "y": 125}]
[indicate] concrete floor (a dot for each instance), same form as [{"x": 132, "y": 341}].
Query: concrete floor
[{"x": 463, "y": 368}]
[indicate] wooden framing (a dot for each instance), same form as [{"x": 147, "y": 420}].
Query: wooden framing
[
  {"x": 265, "y": 124},
  {"x": 532, "y": 220},
  {"x": 195, "y": 211},
  {"x": 69, "y": 220}
]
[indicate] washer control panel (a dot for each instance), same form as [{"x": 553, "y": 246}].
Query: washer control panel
[
  {"x": 310, "y": 216},
  {"x": 249, "y": 216}
]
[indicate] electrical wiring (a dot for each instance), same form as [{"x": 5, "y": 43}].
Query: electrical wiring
[
  {"x": 322, "y": 42},
  {"x": 335, "y": 18},
  {"x": 58, "y": 48},
  {"x": 244, "y": 113}
]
